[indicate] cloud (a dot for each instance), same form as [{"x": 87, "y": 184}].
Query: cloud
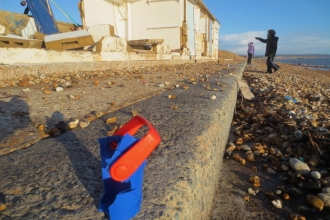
[
  {"x": 308, "y": 43},
  {"x": 237, "y": 43},
  {"x": 291, "y": 43}
]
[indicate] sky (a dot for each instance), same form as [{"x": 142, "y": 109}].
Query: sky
[{"x": 303, "y": 26}]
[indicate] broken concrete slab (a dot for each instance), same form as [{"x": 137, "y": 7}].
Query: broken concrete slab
[
  {"x": 68, "y": 40},
  {"x": 99, "y": 31},
  {"x": 39, "y": 36},
  {"x": 111, "y": 44},
  {"x": 161, "y": 49},
  {"x": 14, "y": 41}
]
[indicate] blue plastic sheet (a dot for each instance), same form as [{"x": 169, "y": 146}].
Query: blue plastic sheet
[{"x": 43, "y": 16}]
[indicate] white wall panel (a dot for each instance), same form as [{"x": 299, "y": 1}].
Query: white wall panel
[
  {"x": 98, "y": 12},
  {"x": 160, "y": 19},
  {"x": 106, "y": 12},
  {"x": 202, "y": 25},
  {"x": 197, "y": 18}
]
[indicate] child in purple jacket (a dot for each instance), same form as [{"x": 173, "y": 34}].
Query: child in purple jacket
[{"x": 250, "y": 52}]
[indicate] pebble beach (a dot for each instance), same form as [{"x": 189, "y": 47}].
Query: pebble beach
[{"x": 276, "y": 165}]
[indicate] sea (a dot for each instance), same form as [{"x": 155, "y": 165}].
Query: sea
[{"x": 321, "y": 62}]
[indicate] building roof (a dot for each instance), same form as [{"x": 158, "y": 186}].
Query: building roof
[{"x": 201, "y": 4}]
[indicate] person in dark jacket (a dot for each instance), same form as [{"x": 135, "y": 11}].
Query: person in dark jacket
[
  {"x": 250, "y": 52},
  {"x": 271, "y": 47}
]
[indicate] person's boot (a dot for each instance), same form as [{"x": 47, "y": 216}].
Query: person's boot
[{"x": 278, "y": 67}]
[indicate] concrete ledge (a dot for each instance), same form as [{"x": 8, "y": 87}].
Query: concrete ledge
[
  {"x": 9, "y": 56},
  {"x": 182, "y": 174}
]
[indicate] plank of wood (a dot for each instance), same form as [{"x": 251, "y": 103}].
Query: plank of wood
[{"x": 245, "y": 89}]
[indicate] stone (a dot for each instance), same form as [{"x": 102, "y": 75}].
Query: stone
[
  {"x": 326, "y": 190},
  {"x": 297, "y": 217},
  {"x": 96, "y": 82},
  {"x": 251, "y": 192},
  {"x": 325, "y": 181},
  {"x": 59, "y": 89},
  {"x": 314, "y": 161},
  {"x": 84, "y": 124},
  {"x": 303, "y": 209},
  {"x": 269, "y": 129},
  {"x": 270, "y": 171},
  {"x": 47, "y": 91},
  {"x": 41, "y": 127},
  {"x": 73, "y": 124},
  {"x": 72, "y": 97},
  {"x": 245, "y": 147},
  {"x": 98, "y": 114},
  {"x": 324, "y": 173},
  {"x": 298, "y": 134},
  {"x": 229, "y": 152},
  {"x": 272, "y": 137},
  {"x": 278, "y": 192},
  {"x": 111, "y": 120},
  {"x": 239, "y": 141},
  {"x": 313, "y": 185},
  {"x": 67, "y": 84},
  {"x": 325, "y": 198},
  {"x": 299, "y": 166},
  {"x": 277, "y": 203},
  {"x": 61, "y": 125},
  {"x": 315, "y": 202},
  {"x": 249, "y": 156},
  {"x": 90, "y": 117},
  {"x": 52, "y": 131},
  {"x": 237, "y": 132},
  {"x": 286, "y": 196},
  {"x": 315, "y": 175},
  {"x": 284, "y": 178},
  {"x": 284, "y": 167},
  {"x": 2, "y": 207},
  {"x": 295, "y": 192}
]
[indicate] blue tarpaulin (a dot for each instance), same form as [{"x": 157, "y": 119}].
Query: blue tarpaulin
[{"x": 43, "y": 16}]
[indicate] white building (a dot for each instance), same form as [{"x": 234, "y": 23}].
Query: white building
[{"x": 185, "y": 25}]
